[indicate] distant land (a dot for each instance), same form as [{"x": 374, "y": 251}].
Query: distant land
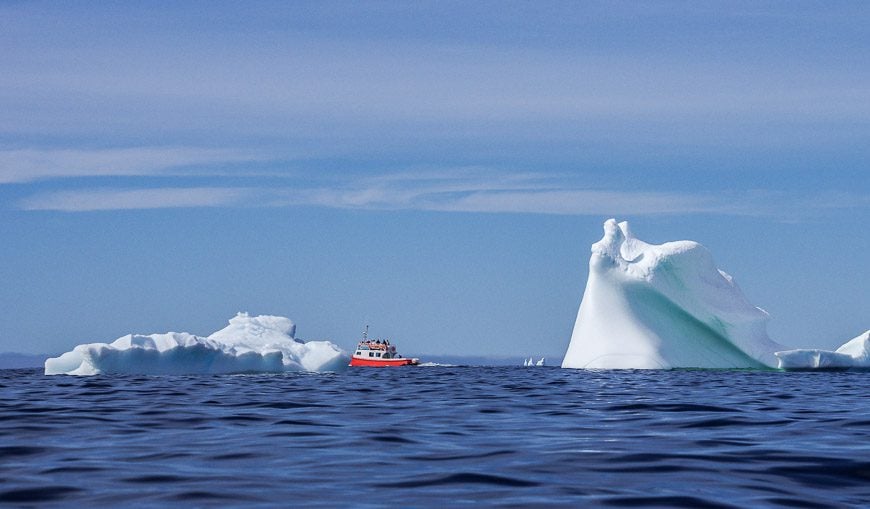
[
  {"x": 470, "y": 360},
  {"x": 11, "y": 360}
]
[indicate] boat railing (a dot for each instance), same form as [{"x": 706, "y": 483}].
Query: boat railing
[{"x": 363, "y": 345}]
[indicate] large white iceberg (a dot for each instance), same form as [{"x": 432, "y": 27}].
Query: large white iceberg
[
  {"x": 663, "y": 306},
  {"x": 668, "y": 306},
  {"x": 248, "y": 344}
]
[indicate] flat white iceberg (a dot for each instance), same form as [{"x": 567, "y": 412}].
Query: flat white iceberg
[
  {"x": 248, "y": 344},
  {"x": 664, "y": 306},
  {"x": 854, "y": 354}
]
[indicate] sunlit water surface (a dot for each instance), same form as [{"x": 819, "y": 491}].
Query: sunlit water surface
[{"x": 438, "y": 436}]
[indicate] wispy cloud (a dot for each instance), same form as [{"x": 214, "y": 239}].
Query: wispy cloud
[
  {"x": 484, "y": 191},
  {"x": 128, "y": 199},
  {"x": 581, "y": 202},
  {"x": 454, "y": 190},
  {"x": 28, "y": 165}
]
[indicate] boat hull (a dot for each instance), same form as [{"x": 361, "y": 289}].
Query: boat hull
[{"x": 383, "y": 363}]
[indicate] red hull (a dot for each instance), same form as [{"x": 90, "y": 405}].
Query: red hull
[{"x": 382, "y": 363}]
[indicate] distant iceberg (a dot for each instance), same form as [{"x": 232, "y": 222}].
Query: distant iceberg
[
  {"x": 248, "y": 344},
  {"x": 665, "y": 306},
  {"x": 854, "y": 354}
]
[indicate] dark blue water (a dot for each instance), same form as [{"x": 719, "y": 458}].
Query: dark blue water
[{"x": 438, "y": 436}]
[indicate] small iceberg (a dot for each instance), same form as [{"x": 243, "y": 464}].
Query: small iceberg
[
  {"x": 248, "y": 344},
  {"x": 854, "y": 354}
]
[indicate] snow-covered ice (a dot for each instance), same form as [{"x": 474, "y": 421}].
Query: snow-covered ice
[{"x": 248, "y": 344}]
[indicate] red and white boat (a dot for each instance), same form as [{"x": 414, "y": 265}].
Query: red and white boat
[{"x": 379, "y": 354}]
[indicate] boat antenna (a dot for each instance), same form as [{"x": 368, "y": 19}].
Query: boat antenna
[{"x": 366, "y": 333}]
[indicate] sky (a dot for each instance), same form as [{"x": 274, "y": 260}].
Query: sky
[{"x": 437, "y": 170}]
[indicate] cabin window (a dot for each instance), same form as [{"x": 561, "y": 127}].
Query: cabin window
[
  {"x": 378, "y": 354},
  {"x": 371, "y": 354},
  {"x": 359, "y": 353}
]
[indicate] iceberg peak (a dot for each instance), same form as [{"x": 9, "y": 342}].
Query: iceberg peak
[
  {"x": 611, "y": 242},
  {"x": 261, "y": 330},
  {"x": 625, "y": 229},
  {"x": 857, "y": 347}
]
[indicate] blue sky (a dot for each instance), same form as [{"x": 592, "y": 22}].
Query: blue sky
[{"x": 437, "y": 169}]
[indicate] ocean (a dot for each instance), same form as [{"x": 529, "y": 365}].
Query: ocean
[{"x": 438, "y": 437}]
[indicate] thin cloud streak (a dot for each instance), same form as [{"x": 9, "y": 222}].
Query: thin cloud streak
[
  {"x": 582, "y": 202},
  {"x": 131, "y": 199},
  {"x": 27, "y": 165},
  {"x": 524, "y": 194},
  {"x": 477, "y": 191}
]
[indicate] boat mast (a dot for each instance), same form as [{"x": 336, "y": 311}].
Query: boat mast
[{"x": 366, "y": 333}]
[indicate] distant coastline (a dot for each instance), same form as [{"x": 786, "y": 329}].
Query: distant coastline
[
  {"x": 12, "y": 360},
  {"x": 482, "y": 360}
]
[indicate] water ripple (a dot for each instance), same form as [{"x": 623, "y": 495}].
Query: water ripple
[
  {"x": 440, "y": 436},
  {"x": 460, "y": 478}
]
